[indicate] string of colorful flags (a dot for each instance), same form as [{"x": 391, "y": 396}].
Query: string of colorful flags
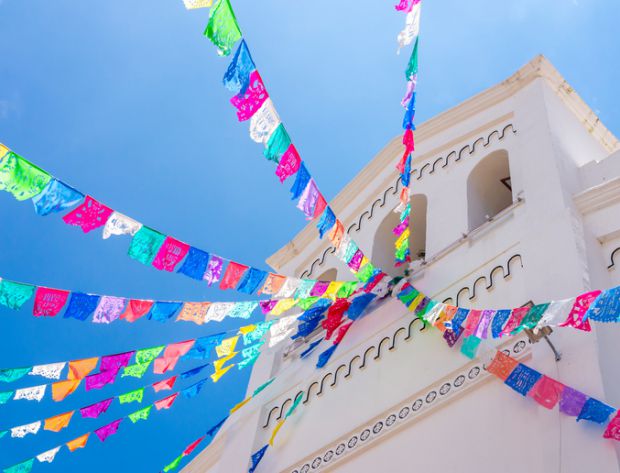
[
  {"x": 102, "y": 432},
  {"x": 49, "y": 195},
  {"x": 476, "y": 325},
  {"x": 548, "y": 393},
  {"x": 410, "y": 34},
  {"x": 105, "y": 309},
  {"x": 58, "y": 422},
  {"x": 253, "y": 103}
]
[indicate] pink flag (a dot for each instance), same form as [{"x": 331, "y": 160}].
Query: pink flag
[
  {"x": 192, "y": 446},
  {"x": 171, "y": 356},
  {"x": 166, "y": 402},
  {"x": 613, "y": 428},
  {"x": 546, "y": 392},
  {"x": 115, "y": 362},
  {"x": 232, "y": 276},
  {"x": 289, "y": 163},
  {"x": 248, "y": 103},
  {"x": 575, "y": 317},
  {"x": 95, "y": 410},
  {"x": 356, "y": 260},
  {"x": 90, "y": 215},
  {"x": 321, "y": 203},
  {"x": 135, "y": 309},
  {"x": 107, "y": 430},
  {"x": 516, "y": 316},
  {"x": 170, "y": 254},
  {"x": 165, "y": 385},
  {"x": 48, "y": 302}
]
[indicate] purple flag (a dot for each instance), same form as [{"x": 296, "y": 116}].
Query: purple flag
[
  {"x": 115, "y": 362},
  {"x": 107, "y": 430},
  {"x": 214, "y": 270},
  {"x": 95, "y": 410},
  {"x": 572, "y": 401},
  {"x": 99, "y": 380},
  {"x": 308, "y": 199}
]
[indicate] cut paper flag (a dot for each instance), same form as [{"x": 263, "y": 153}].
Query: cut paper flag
[
  {"x": 220, "y": 372},
  {"x": 606, "y": 307},
  {"x": 251, "y": 281},
  {"x": 23, "y": 467},
  {"x": 214, "y": 270},
  {"x": 201, "y": 349},
  {"x": 250, "y": 101},
  {"x": 195, "y": 264},
  {"x": 5, "y": 397},
  {"x": 14, "y": 295},
  {"x": 278, "y": 143},
  {"x": 62, "y": 389},
  {"x": 142, "y": 414},
  {"x": 59, "y": 422},
  {"x": 166, "y": 402},
  {"x": 193, "y": 4},
  {"x": 193, "y": 390},
  {"x": 133, "y": 396},
  {"x": 164, "y": 311},
  {"x": 226, "y": 347},
  {"x": 77, "y": 443},
  {"x": 81, "y": 306},
  {"x": 56, "y": 197},
  {"x": 289, "y": 164},
  {"x": 21, "y": 178},
  {"x": 595, "y": 411},
  {"x": 79, "y": 369},
  {"x": 233, "y": 275},
  {"x": 222, "y": 29},
  {"x": 13, "y": 374},
  {"x": 136, "y": 309},
  {"x": 171, "y": 356},
  {"x": 119, "y": 224},
  {"x": 48, "y": 456},
  {"x": 613, "y": 429},
  {"x": 49, "y": 302},
  {"x": 264, "y": 122},
  {"x": 104, "y": 432},
  {"x": 522, "y": 379},
  {"x": 308, "y": 200},
  {"x": 115, "y": 362},
  {"x": 547, "y": 392},
  {"x": 145, "y": 245},
  {"x": 170, "y": 254},
  {"x": 165, "y": 385},
  {"x": 35, "y": 393},
  {"x": 99, "y": 380},
  {"x": 257, "y": 457},
  {"x": 23, "y": 430},
  {"x": 90, "y": 215},
  {"x": 237, "y": 77},
  {"x": 109, "y": 309},
  {"x": 95, "y": 410}
]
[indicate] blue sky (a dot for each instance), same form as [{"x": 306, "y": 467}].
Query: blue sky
[{"x": 123, "y": 99}]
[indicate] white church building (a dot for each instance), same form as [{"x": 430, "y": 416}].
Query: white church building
[{"x": 515, "y": 199}]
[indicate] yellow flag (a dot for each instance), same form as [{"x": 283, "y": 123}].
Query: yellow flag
[
  {"x": 364, "y": 261},
  {"x": 192, "y": 4},
  {"x": 218, "y": 364},
  {"x": 227, "y": 346},
  {"x": 275, "y": 431},
  {"x": 3, "y": 150},
  {"x": 218, "y": 374},
  {"x": 404, "y": 236},
  {"x": 332, "y": 289},
  {"x": 416, "y": 302},
  {"x": 240, "y": 405},
  {"x": 282, "y": 306},
  {"x": 247, "y": 329}
]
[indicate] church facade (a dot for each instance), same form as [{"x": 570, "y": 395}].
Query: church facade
[{"x": 515, "y": 200}]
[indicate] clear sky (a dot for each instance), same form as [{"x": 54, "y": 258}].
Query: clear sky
[{"x": 123, "y": 100}]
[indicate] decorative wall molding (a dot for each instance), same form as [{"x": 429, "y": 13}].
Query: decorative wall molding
[
  {"x": 614, "y": 253},
  {"x": 486, "y": 282},
  {"x": 317, "y": 388},
  {"x": 406, "y": 412},
  {"x": 430, "y": 166}
]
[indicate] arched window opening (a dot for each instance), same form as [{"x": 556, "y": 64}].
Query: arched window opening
[
  {"x": 383, "y": 245},
  {"x": 329, "y": 275},
  {"x": 489, "y": 189},
  {"x": 417, "y": 227}
]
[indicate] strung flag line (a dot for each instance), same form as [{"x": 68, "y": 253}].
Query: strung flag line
[
  {"x": 410, "y": 34},
  {"x": 61, "y": 421},
  {"x": 148, "y": 246},
  {"x": 549, "y": 393},
  {"x": 253, "y": 103},
  {"x": 105, "y": 309},
  {"x": 107, "y": 430},
  {"x": 475, "y": 325}
]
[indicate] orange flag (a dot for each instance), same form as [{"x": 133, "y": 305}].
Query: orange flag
[
  {"x": 272, "y": 285},
  {"x": 62, "y": 389},
  {"x": 79, "y": 442},
  {"x": 336, "y": 234},
  {"x": 79, "y": 369},
  {"x": 59, "y": 422}
]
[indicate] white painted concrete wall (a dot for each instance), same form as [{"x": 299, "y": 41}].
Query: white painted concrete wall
[{"x": 553, "y": 244}]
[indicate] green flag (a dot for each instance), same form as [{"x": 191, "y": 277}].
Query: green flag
[
  {"x": 142, "y": 414},
  {"x": 133, "y": 396},
  {"x": 5, "y": 396},
  {"x": 174, "y": 465},
  {"x": 222, "y": 29},
  {"x": 24, "y": 467},
  {"x": 262, "y": 386},
  {"x": 145, "y": 244},
  {"x": 347, "y": 289},
  {"x": 412, "y": 68},
  {"x": 366, "y": 272},
  {"x": 13, "y": 374},
  {"x": 278, "y": 143},
  {"x": 148, "y": 354},
  {"x": 295, "y": 404},
  {"x": 136, "y": 371},
  {"x": 14, "y": 295},
  {"x": 21, "y": 178}
]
